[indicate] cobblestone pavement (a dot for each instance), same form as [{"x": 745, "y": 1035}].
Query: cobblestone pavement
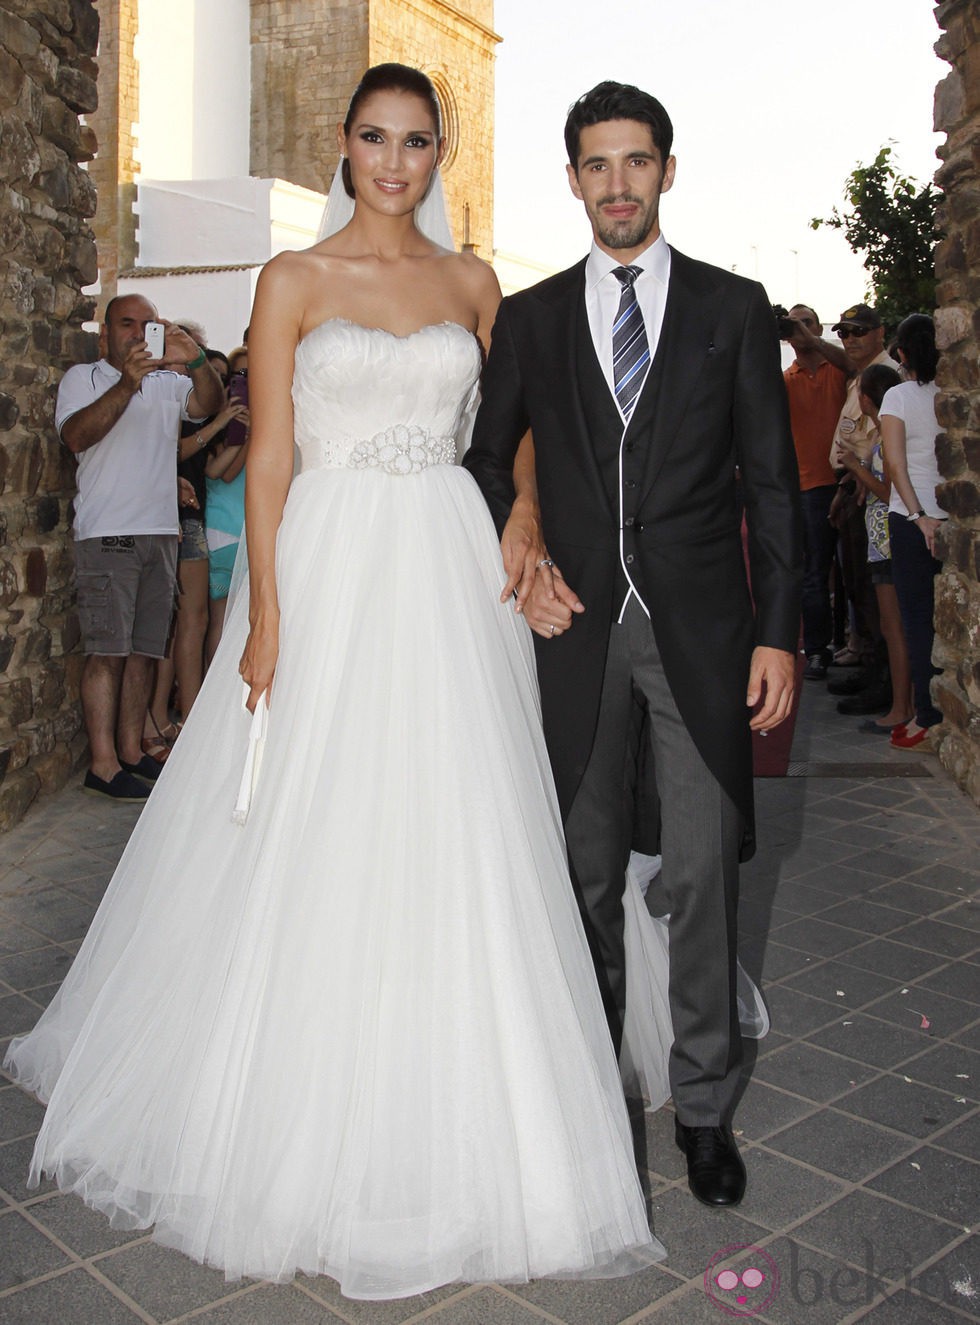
[{"x": 860, "y": 1120}]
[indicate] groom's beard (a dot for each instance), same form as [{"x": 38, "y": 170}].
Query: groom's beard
[{"x": 625, "y": 234}]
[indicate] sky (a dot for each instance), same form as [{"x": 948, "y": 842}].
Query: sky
[{"x": 773, "y": 104}]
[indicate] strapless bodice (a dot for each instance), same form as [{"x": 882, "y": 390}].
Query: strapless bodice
[{"x": 364, "y": 398}]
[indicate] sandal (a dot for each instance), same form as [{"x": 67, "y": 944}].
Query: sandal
[
  {"x": 156, "y": 748},
  {"x": 167, "y": 735}
]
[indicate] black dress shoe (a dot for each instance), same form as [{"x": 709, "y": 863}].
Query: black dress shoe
[{"x": 715, "y": 1172}]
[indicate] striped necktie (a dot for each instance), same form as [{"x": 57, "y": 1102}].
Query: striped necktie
[{"x": 631, "y": 350}]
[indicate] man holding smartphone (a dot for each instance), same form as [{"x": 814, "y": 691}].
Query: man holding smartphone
[{"x": 121, "y": 417}]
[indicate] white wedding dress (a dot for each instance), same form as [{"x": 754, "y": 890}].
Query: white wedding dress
[{"x": 360, "y": 1034}]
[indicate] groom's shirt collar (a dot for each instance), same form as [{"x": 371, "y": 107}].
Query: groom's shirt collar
[{"x": 655, "y": 261}]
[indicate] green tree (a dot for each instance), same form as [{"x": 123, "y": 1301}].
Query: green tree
[{"x": 891, "y": 220}]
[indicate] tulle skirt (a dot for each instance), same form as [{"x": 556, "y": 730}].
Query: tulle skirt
[{"x": 359, "y": 1034}]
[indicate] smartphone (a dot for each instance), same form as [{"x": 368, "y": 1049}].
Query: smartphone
[
  {"x": 154, "y": 336},
  {"x": 236, "y": 432}
]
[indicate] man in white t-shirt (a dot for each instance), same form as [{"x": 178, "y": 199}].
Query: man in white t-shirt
[{"x": 121, "y": 417}]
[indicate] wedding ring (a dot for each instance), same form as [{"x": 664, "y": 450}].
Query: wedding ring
[
  {"x": 552, "y": 630},
  {"x": 546, "y": 561}
]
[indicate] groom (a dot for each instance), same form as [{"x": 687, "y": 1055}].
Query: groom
[{"x": 653, "y": 390}]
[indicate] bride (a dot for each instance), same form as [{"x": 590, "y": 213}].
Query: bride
[{"x": 358, "y": 1033}]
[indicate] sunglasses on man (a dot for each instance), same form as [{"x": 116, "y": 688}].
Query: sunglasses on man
[{"x": 845, "y": 332}]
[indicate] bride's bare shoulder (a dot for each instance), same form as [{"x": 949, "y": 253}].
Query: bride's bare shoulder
[
  {"x": 290, "y": 285},
  {"x": 297, "y": 264},
  {"x": 475, "y": 275},
  {"x": 293, "y": 274}
]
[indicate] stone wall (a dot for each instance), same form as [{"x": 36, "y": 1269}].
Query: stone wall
[
  {"x": 957, "y": 650},
  {"x": 47, "y": 253}
]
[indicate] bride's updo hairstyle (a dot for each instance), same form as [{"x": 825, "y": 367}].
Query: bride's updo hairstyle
[{"x": 389, "y": 78}]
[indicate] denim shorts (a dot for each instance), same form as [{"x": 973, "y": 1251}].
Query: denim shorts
[
  {"x": 125, "y": 589},
  {"x": 881, "y": 572},
  {"x": 193, "y": 543}
]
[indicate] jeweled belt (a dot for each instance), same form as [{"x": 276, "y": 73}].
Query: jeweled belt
[{"x": 403, "y": 449}]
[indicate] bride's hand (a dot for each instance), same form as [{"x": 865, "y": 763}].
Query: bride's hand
[
  {"x": 522, "y": 549},
  {"x": 258, "y": 664}
]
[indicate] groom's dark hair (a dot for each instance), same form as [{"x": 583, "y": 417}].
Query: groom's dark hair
[{"x": 617, "y": 101}]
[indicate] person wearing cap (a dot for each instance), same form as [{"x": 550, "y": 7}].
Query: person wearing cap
[{"x": 863, "y": 337}]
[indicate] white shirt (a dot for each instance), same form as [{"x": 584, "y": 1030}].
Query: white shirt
[
  {"x": 915, "y": 404},
  {"x": 127, "y": 483},
  {"x": 603, "y": 292}
]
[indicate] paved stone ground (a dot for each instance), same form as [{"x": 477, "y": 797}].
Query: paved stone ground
[{"x": 860, "y": 1118}]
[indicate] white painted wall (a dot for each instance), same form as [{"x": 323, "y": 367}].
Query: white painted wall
[
  {"x": 194, "y": 68},
  {"x": 193, "y": 223}
]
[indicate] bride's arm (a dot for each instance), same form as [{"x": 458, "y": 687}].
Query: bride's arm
[
  {"x": 521, "y": 545},
  {"x": 273, "y": 336}
]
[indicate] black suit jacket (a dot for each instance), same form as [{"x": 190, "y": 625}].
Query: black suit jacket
[{"x": 716, "y": 403}]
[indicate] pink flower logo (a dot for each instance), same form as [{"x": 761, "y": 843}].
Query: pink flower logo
[{"x": 743, "y": 1280}]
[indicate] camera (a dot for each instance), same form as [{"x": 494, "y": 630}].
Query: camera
[{"x": 786, "y": 325}]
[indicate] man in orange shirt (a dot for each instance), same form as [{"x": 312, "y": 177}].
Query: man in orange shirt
[{"x": 816, "y": 384}]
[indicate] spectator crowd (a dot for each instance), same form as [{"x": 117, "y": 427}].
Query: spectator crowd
[
  {"x": 161, "y": 436},
  {"x": 864, "y": 427}
]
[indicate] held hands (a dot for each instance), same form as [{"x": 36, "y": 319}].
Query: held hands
[
  {"x": 532, "y": 577},
  {"x": 551, "y": 603},
  {"x": 774, "y": 672},
  {"x": 521, "y": 547},
  {"x": 258, "y": 665}
]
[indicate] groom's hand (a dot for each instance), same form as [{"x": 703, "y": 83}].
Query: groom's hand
[
  {"x": 772, "y": 672},
  {"x": 552, "y": 604}
]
